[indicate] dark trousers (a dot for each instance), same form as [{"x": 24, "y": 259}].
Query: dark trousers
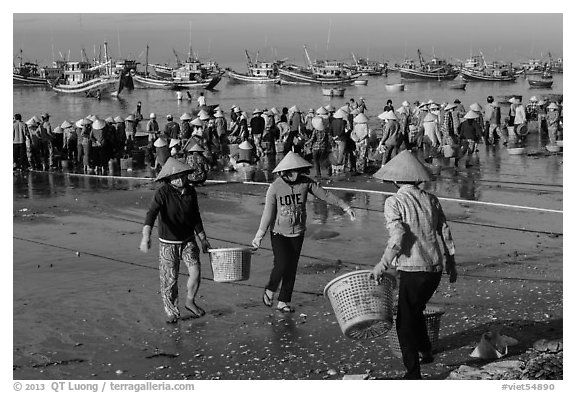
[
  {"x": 286, "y": 255},
  {"x": 19, "y": 155},
  {"x": 319, "y": 156},
  {"x": 415, "y": 289}
]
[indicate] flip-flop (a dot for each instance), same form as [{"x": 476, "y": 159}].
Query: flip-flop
[
  {"x": 267, "y": 300},
  {"x": 285, "y": 309}
]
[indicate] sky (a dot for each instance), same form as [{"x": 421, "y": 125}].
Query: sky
[{"x": 223, "y": 37}]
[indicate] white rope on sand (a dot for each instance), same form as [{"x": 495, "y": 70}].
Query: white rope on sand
[{"x": 466, "y": 201}]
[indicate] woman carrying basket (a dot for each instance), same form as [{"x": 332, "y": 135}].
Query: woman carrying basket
[
  {"x": 285, "y": 215},
  {"x": 419, "y": 240},
  {"x": 177, "y": 204}
]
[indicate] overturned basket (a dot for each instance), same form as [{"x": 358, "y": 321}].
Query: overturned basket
[
  {"x": 230, "y": 264},
  {"x": 363, "y": 308},
  {"x": 432, "y": 315}
]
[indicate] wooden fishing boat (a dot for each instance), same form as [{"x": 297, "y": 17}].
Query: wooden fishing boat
[
  {"x": 539, "y": 83},
  {"x": 366, "y": 67},
  {"x": 333, "y": 91},
  {"x": 435, "y": 69},
  {"x": 477, "y": 69},
  {"x": 260, "y": 72},
  {"x": 320, "y": 72},
  {"x": 457, "y": 85},
  {"x": 30, "y": 74},
  {"x": 394, "y": 87}
]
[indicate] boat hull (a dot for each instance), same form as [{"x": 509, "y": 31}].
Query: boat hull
[
  {"x": 159, "y": 83},
  {"x": 395, "y": 87},
  {"x": 243, "y": 78},
  {"x": 457, "y": 86},
  {"x": 300, "y": 76},
  {"x": 541, "y": 84},
  {"x": 406, "y": 73},
  {"x": 361, "y": 82},
  {"x": 475, "y": 76},
  {"x": 19, "y": 80},
  {"x": 105, "y": 85},
  {"x": 333, "y": 92}
]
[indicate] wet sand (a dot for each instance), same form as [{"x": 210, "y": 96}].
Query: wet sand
[{"x": 86, "y": 302}]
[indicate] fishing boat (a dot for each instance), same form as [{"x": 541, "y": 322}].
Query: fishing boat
[
  {"x": 81, "y": 77},
  {"x": 321, "y": 72},
  {"x": 457, "y": 85},
  {"x": 333, "y": 91},
  {"x": 361, "y": 82},
  {"x": 190, "y": 75},
  {"x": 533, "y": 67},
  {"x": 207, "y": 68},
  {"x": 394, "y": 87},
  {"x": 260, "y": 72},
  {"x": 26, "y": 73},
  {"x": 539, "y": 83},
  {"x": 477, "y": 69},
  {"x": 435, "y": 69},
  {"x": 366, "y": 67},
  {"x": 555, "y": 65}
]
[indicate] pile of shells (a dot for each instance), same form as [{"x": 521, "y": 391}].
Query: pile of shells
[{"x": 545, "y": 361}]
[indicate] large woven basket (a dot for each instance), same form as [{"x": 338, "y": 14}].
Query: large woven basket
[
  {"x": 432, "y": 315},
  {"x": 230, "y": 264},
  {"x": 363, "y": 308}
]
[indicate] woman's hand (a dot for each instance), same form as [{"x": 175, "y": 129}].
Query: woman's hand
[
  {"x": 145, "y": 244},
  {"x": 205, "y": 245},
  {"x": 351, "y": 214}
]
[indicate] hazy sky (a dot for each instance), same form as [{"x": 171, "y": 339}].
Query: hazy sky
[{"x": 381, "y": 36}]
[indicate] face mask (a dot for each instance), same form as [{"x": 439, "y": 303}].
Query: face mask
[
  {"x": 173, "y": 151},
  {"x": 179, "y": 182},
  {"x": 290, "y": 176}
]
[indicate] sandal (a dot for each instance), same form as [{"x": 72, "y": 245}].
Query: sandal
[
  {"x": 285, "y": 309},
  {"x": 267, "y": 300}
]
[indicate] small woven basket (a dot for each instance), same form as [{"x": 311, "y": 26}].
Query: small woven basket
[
  {"x": 363, "y": 308},
  {"x": 230, "y": 264},
  {"x": 432, "y": 317}
]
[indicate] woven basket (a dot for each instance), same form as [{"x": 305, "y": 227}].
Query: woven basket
[
  {"x": 432, "y": 317},
  {"x": 246, "y": 172},
  {"x": 230, "y": 264},
  {"x": 363, "y": 308},
  {"x": 553, "y": 148}
]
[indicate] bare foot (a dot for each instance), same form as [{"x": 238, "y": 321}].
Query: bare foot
[{"x": 196, "y": 310}]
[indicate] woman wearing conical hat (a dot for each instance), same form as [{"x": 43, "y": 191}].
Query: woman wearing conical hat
[
  {"x": 469, "y": 134},
  {"x": 420, "y": 247},
  {"x": 285, "y": 215},
  {"x": 180, "y": 222},
  {"x": 359, "y": 136},
  {"x": 391, "y": 136},
  {"x": 319, "y": 143},
  {"x": 162, "y": 152},
  {"x": 196, "y": 159}
]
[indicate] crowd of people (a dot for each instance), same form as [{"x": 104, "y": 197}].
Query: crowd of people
[{"x": 334, "y": 140}]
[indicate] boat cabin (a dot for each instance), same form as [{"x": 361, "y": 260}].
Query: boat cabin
[
  {"x": 263, "y": 69},
  {"x": 77, "y": 72}
]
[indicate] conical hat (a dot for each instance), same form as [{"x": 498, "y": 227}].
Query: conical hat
[
  {"x": 471, "y": 115},
  {"x": 294, "y": 108},
  {"x": 405, "y": 103},
  {"x": 66, "y": 124},
  {"x": 98, "y": 124},
  {"x": 237, "y": 109},
  {"x": 109, "y": 119},
  {"x": 58, "y": 130},
  {"x": 274, "y": 110},
  {"x": 83, "y": 122},
  {"x": 318, "y": 123},
  {"x": 533, "y": 98},
  {"x": 345, "y": 109},
  {"x": 388, "y": 115},
  {"x": 330, "y": 108},
  {"x": 553, "y": 106},
  {"x": 129, "y": 118},
  {"x": 361, "y": 119},
  {"x": 434, "y": 106},
  {"x": 541, "y": 102},
  {"x": 160, "y": 142},
  {"x": 173, "y": 167},
  {"x": 402, "y": 110},
  {"x": 430, "y": 117},
  {"x": 422, "y": 105},
  {"x": 476, "y": 107},
  {"x": 321, "y": 111},
  {"x": 257, "y": 110},
  {"x": 218, "y": 114},
  {"x": 291, "y": 161},
  {"x": 196, "y": 147},
  {"x": 450, "y": 106},
  {"x": 203, "y": 115},
  {"x": 185, "y": 116},
  {"x": 119, "y": 119},
  {"x": 196, "y": 122},
  {"x": 404, "y": 167},
  {"x": 174, "y": 142},
  {"x": 245, "y": 146},
  {"x": 339, "y": 114}
]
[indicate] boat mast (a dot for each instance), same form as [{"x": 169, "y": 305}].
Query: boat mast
[
  {"x": 355, "y": 60},
  {"x": 146, "y": 67},
  {"x": 307, "y": 56},
  {"x": 420, "y": 58},
  {"x": 108, "y": 66}
]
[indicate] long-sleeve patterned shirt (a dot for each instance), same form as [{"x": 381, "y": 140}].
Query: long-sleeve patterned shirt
[{"x": 419, "y": 233}]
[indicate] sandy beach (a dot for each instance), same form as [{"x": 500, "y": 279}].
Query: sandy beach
[{"x": 86, "y": 302}]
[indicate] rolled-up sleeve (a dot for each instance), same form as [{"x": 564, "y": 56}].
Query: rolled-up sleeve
[
  {"x": 269, "y": 212},
  {"x": 394, "y": 224},
  {"x": 154, "y": 208},
  {"x": 325, "y": 195}
]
